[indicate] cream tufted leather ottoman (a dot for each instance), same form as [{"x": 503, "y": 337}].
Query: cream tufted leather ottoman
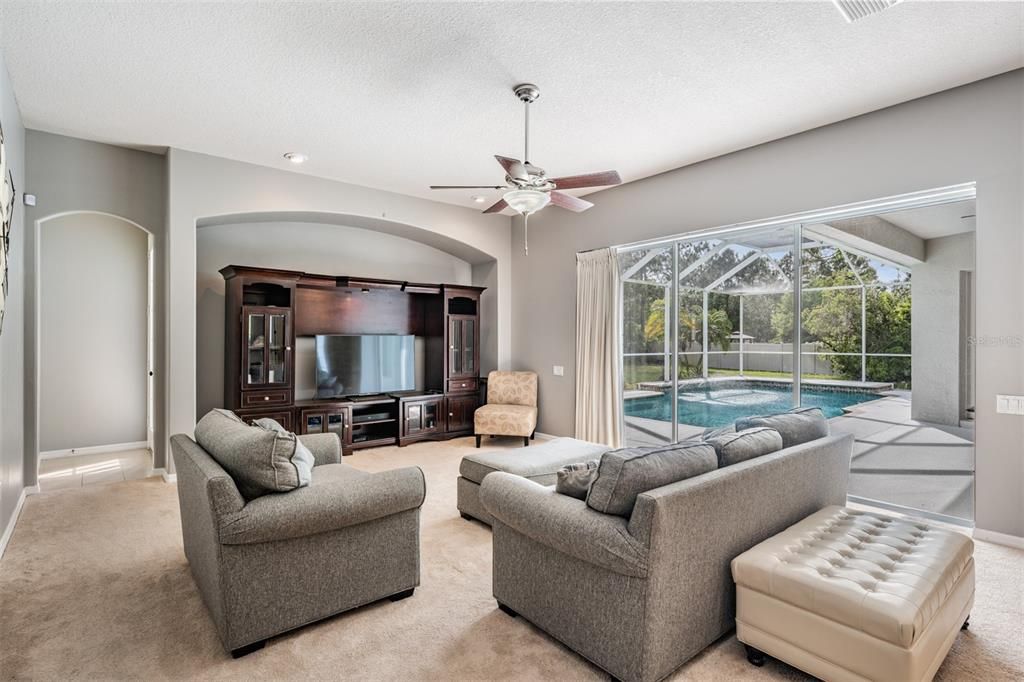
[{"x": 848, "y": 595}]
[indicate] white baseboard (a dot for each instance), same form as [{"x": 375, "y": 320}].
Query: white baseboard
[
  {"x": 162, "y": 473},
  {"x": 9, "y": 530},
  {"x": 547, "y": 436},
  {"x": 94, "y": 450},
  {"x": 1014, "y": 541}
]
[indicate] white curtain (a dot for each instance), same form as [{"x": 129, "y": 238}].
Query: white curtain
[{"x": 598, "y": 348}]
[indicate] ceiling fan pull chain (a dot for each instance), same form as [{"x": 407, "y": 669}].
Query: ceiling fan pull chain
[{"x": 526, "y": 234}]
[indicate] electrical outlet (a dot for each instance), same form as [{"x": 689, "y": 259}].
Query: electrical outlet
[
  {"x": 558, "y": 371},
  {"x": 1010, "y": 404}
]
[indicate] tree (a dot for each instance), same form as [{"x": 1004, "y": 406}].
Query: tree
[
  {"x": 830, "y": 317},
  {"x": 691, "y": 331}
]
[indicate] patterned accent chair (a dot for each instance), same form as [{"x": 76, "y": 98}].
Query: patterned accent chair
[{"x": 511, "y": 408}]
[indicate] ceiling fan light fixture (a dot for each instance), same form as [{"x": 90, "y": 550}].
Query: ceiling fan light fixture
[{"x": 526, "y": 201}]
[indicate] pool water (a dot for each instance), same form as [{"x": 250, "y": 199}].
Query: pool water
[{"x": 722, "y": 403}]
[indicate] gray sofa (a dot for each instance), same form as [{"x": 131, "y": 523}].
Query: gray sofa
[
  {"x": 639, "y": 596},
  {"x": 283, "y": 560}
]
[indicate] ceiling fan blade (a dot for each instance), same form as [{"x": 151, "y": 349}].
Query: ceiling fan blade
[
  {"x": 467, "y": 187},
  {"x": 514, "y": 167},
  {"x": 588, "y": 180},
  {"x": 563, "y": 200},
  {"x": 500, "y": 206}
]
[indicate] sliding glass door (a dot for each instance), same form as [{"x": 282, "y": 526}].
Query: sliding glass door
[
  {"x": 704, "y": 339},
  {"x": 648, "y": 362},
  {"x": 740, "y": 322}
]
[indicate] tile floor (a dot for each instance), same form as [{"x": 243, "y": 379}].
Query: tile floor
[{"x": 81, "y": 470}]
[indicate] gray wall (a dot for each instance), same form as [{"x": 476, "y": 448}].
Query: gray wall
[
  {"x": 92, "y": 314},
  {"x": 12, "y": 349},
  {"x": 972, "y": 133},
  {"x": 69, "y": 175},
  {"x": 309, "y": 247},
  {"x": 936, "y": 333}
]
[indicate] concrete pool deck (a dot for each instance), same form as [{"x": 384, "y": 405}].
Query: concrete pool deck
[{"x": 896, "y": 459}]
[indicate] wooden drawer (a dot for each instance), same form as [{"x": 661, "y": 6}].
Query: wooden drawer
[
  {"x": 282, "y": 417},
  {"x": 256, "y": 399},
  {"x": 463, "y": 385}
]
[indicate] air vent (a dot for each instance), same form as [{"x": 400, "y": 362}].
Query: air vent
[{"x": 853, "y": 10}]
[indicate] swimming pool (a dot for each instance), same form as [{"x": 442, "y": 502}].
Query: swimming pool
[{"x": 723, "y": 402}]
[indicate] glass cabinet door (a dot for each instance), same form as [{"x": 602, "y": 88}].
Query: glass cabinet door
[
  {"x": 256, "y": 341},
  {"x": 413, "y": 418},
  {"x": 277, "y": 349},
  {"x": 469, "y": 346},
  {"x": 455, "y": 337},
  {"x": 431, "y": 412},
  {"x": 267, "y": 333},
  {"x": 336, "y": 424}
]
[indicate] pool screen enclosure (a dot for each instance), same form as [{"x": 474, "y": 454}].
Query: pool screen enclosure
[{"x": 786, "y": 306}]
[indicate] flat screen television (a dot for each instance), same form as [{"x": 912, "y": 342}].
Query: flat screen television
[{"x": 364, "y": 364}]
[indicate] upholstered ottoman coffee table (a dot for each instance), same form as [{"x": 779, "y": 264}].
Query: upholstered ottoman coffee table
[
  {"x": 539, "y": 463},
  {"x": 848, "y": 595}
]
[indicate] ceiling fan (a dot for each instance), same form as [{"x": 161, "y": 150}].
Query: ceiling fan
[{"x": 529, "y": 189}]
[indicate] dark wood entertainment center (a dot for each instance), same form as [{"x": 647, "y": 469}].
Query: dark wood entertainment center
[{"x": 267, "y": 309}]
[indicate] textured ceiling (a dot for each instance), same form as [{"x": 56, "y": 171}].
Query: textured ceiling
[{"x": 403, "y": 95}]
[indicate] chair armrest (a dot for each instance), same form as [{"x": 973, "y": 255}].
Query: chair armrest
[
  {"x": 563, "y": 523},
  {"x": 326, "y": 447},
  {"x": 327, "y": 506}
]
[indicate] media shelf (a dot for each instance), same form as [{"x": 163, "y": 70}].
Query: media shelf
[
  {"x": 267, "y": 310},
  {"x": 374, "y": 422}
]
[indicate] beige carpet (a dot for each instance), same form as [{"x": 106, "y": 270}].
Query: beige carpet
[{"x": 94, "y": 585}]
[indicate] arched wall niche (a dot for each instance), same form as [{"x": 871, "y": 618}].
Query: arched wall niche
[{"x": 319, "y": 243}]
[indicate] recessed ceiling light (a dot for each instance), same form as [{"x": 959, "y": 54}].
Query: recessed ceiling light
[
  {"x": 296, "y": 157},
  {"x": 478, "y": 199}
]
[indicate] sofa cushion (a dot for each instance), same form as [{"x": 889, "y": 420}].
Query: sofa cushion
[
  {"x": 259, "y": 460},
  {"x": 574, "y": 479},
  {"x": 716, "y": 431},
  {"x": 505, "y": 420},
  {"x": 538, "y": 463},
  {"x": 739, "y": 446},
  {"x": 799, "y": 425},
  {"x": 623, "y": 474},
  {"x": 340, "y": 497}
]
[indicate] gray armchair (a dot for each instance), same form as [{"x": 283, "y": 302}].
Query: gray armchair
[{"x": 283, "y": 560}]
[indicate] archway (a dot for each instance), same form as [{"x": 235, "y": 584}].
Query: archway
[{"x": 94, "y": 347}]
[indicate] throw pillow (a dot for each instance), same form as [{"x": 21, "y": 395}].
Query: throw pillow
[
  {"x": 574, "y": 479},
  {"x": 739, "y": 446},
  {"x": 259, "y": 460},
  {"x": 623, "y": 474},
  {"x": 799, "y": 425},
  {"x": 303, "y": 458}
]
